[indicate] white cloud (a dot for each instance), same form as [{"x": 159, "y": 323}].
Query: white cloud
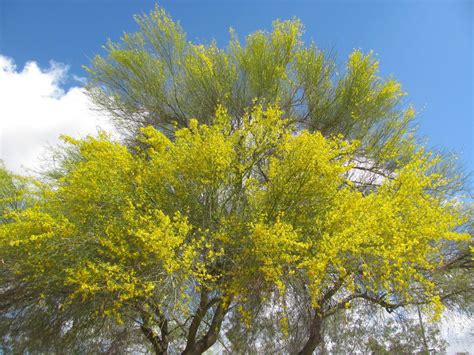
[
  {"x": 458, "y": 330},
  {"x": 35, "y": 110}
]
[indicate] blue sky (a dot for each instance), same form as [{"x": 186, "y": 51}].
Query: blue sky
[{"x": 426, "y": 45}]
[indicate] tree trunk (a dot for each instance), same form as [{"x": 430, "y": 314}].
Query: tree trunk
[
  {"x": 212, "y": 334},
  {"x": 160, "y": 347},
  {"x": 315, "y": 336}
]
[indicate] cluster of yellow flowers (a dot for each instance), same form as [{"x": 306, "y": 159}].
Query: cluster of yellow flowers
[{"x": 228, "y": 207}]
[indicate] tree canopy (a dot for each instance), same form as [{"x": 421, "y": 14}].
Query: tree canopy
[
  {"x": 255, "y": 185},
  {"x": 156, "y": 77}
]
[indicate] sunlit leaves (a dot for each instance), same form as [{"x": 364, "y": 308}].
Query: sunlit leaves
[
  {"x": 157, "y": 77},
  {"x": 225, "y": 208}
]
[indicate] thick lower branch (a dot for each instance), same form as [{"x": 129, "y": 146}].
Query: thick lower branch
[
  {"x": 315, "y": 336},
  {"x": 197, "y": 319},
  {"x": 159, "y": 346},
  {"x": 212, "y": 334}
]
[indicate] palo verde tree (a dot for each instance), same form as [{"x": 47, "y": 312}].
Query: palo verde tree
[{"x": 258, "y": 194}]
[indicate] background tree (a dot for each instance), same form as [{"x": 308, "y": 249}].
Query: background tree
[
  {"x": 13, "y": 193},
  {"x": 293, "y": 194}
]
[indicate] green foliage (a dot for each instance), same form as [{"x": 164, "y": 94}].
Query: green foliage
[
  {"x": 14, "y": 193},
  {"x": 225, "y": 216},
  {"x": 367, "y": 330},
  {"x": 157, "y": 77}
]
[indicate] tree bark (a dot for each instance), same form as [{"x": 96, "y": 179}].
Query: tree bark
[
  {"x": 315, "y": 336},
  {"x": 197, "y": 319},
  {"x": 160, "y": 344},
  {"x": 160, "y": 347},
  {"x": 212, "y": 334}
]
